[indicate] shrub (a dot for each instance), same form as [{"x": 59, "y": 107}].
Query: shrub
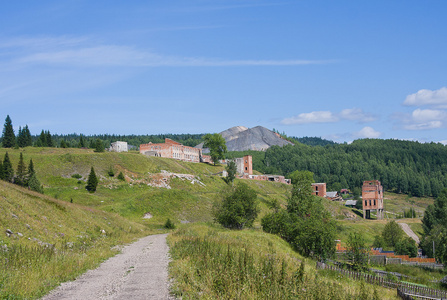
[
  {"x": 121, "y": 176},
  {"x": 169, "y": 224},
  {"x": 238, "y": 208},
  {"x": 76, "y": 176},
  {"x": 110, "y": 172}
]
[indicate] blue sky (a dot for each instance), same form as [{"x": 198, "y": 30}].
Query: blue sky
[{"x": 340, "y": 70}]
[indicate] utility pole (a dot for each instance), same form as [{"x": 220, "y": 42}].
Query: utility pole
[{"x": 434, "y": 249}]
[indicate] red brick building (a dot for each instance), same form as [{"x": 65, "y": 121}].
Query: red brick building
[
  {"x": 175, "y": 150},
  {"x": 319, "y": 189},
  {"x": 372, "y": 198}
]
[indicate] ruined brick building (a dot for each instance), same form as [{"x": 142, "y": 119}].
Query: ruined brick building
[
  {"x": 244, "y": 167},
  {"x": 319, "y": 189},
  {"x": 372, "y": 198},
  {"x": 175, "y": 150}
]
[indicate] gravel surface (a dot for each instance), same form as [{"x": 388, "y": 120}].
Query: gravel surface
[
  {"x": 409, "y": 232},
  {"x": 139, "y": 272}
]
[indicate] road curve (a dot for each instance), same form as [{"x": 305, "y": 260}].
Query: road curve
[{"x": 139, "y": 272}]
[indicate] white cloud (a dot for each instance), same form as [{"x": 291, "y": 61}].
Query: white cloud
[
  {"x": 424, "y": 115},
  {"x": 350, "y": 114},
  {"x": 424, "y": 126},
  {"x": 312, "y": 117},
  {"x": 356, "y": 114},
  {"x": 437, "y": 98},
  {"x": 367, "y": 132},
  {"x": 422, "y": 119}
]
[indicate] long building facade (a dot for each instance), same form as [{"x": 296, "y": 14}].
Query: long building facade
[{"x": 175, "y": 150}]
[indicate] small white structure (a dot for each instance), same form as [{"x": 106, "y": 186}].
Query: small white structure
[{"x": 118, "y": 147}]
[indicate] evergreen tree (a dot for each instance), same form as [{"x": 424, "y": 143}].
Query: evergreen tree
[
  {"x": 1, "y": 169},
  {"x": 8, "y": 137},
  {"x": 92, "y": 181},
  {"x": 34, "y": 184},
  {"x": 8, "y": 171},
  {"x": 49, "y": 139},
  {"x": 28, "y": 141},
  {"x": 20, "y": 178},
  {"x": 41, "y": 140},
  {"x": 30, "y": 172},
  {"x": 81, "y": 142},
  {"x": 20, "y": 138},
  {"x": 63, "y": 144},
  {"x": 99, "y": 146}
]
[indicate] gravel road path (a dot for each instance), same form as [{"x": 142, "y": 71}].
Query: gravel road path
[
  {"x": 139, "y": 272},
  {"x": 409, "y": 232}
]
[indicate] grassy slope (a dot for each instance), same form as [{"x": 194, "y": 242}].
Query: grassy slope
[
  {"x": 184, "y": 202},
  {"x": 132, "y": 199},
  {"x": 53, "y": 240}
]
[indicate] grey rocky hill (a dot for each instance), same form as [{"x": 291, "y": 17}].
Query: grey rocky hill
[{"x": 240, "y": 138}]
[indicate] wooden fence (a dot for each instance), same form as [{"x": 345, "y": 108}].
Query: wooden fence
[{"x": 414, "y": 290}]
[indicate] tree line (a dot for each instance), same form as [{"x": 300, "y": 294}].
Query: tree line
[
  {"x": 401, "y": 166},
  {"x": 24, "y": 138},
  {"x": 24, "y": 176}
]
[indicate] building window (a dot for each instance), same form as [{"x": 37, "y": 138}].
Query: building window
[{"x": 366, "y": 202}]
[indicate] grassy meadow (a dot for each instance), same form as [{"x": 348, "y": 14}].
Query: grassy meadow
[{"x": 62, "y": 232}]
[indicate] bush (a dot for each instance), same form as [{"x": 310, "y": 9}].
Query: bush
[
  {"x": 121, "y": 176},
  {"x": 169, "y": 224},
  {"x": 110, "y": 172},
  {"x": 76, "y": 176},
  {"x": 238, "y": 207}
]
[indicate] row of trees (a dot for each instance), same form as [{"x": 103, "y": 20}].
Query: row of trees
[
  {"x": 402, "y": 166},
  {"x": 24, "y": 176},
  {"x": 434, "y": 223},
  {"x": 45, "y": 139}
]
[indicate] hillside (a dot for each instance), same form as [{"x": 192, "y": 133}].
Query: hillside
[
  {"x": 154, "y": 186},
  {"x": 240, "y": 138},
  {"x": 45, "y": 241}
]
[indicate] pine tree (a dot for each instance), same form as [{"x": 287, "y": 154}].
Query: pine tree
[
  {"x": 99, "y": 146},
  {"x": 30, "y": 172},
  {"x": 28, "y": 141},
  {"x": 20, "y": 138},
  {"x": 8, "y": 171},
  {"x": 41, "y": 140},
  {"x": 81, "y": 142},
  {"x": 49, "y": 139},
  {"x": 8, "y": 137},
  {"x": 20, "y": 179},
  {"x": 34, "y": 184},
  {"x": 92, "y": 181}
]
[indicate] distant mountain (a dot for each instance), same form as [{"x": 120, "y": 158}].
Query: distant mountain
[{"x": 240, "y": 138}]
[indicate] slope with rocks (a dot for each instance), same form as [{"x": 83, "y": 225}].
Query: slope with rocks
[{"x": 240, "y": 138}]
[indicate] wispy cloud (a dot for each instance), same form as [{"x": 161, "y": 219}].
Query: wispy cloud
[
  {"x": 82, "y": 52},
  {"x": 312, "y": 117},
  {"x": 351, "y": 114},
  {"x": 436, "y": 98}
]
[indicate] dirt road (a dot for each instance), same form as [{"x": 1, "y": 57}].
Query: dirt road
[
  {"x": 139, "y": 272},
  {"x": 409, "y": 232}
]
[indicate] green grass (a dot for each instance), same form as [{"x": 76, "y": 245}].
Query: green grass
[
  {"x": 214, "y": 263},
  {"x": 53, "y": 241}
]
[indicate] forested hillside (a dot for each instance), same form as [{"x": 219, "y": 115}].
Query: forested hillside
[{"x": 401, "y": 166}]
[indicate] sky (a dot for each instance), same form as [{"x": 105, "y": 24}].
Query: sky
[{"x": 340, "y": 70}]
